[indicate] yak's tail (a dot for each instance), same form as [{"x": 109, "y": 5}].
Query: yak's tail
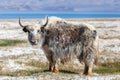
[
  {"x": 95, "y": 35},
  {"x": 96, "y": 58}
]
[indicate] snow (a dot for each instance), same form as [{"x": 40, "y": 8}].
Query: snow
[
  {"x": 19, "y": 51},
  {"x": 11, "y": 65},
  {"x": 11, "y": 30}
]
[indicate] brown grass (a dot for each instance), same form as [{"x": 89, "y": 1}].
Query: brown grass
[
  {"x": 40, "y": 67},
  {"x": 114, "y": 37}
]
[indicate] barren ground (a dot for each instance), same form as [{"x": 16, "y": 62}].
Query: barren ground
[{"x": 25, "y": 62}]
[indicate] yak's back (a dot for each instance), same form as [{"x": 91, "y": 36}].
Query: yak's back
[{"x": 63, "y": 34}]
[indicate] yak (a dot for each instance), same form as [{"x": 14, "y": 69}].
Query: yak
[{"x": 63, "y": 40}]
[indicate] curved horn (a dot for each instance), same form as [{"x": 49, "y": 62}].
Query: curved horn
[
  {"x": 46, "y": 22},
  {"x": 20, "y": 23}
]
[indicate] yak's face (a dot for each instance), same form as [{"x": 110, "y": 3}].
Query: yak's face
[{"x": 33, "y": 33}]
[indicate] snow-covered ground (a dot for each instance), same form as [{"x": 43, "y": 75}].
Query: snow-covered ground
[
  {"x": 109, "y": 32},
  {"x": 52, "y": 76}
]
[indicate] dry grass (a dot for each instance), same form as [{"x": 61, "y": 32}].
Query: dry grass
[
  {"x": 108, "y": 68},
  {"x": 115, "y": 37},
  {"x": 105, "y": 68},
  {"x": 105, "y": 52},
  {"x": 20, "y": 72},
  {"x": 8, "y": 42},
  {"x": 40, "y": 67}
]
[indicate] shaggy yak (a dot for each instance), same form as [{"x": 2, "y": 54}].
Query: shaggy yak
[{"x": 62, "y": 40}]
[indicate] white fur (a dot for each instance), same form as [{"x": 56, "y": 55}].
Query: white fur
[{"x": 53, "y": 20}]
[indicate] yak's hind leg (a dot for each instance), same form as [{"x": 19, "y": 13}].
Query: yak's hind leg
[{"x": 88, "y": 67}]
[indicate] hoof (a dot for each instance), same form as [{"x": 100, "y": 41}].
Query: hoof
[
  {"x": 50, "y": 69},
  {"x": 55, "y": 70},
  {"x": 88, "y": 74}
]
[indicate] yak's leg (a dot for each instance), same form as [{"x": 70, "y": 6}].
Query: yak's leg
[
  {"x": 50, "y": 63},
  {"x": 49, "y": 56},
  {"x": 50, "y": 66},
  {"x": 85, "y": 69},
  {"x": 89, "y": 71},
  {"x": 88, "y": 68},
  {"x": 55, "y": 69},
  {"x": 53, "y": 65}
]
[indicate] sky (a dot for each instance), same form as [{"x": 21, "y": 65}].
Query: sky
[{"x": 61, "y": 5}]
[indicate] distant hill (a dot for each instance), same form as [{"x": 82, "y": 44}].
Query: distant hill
[{"x": 60, "y": 5}]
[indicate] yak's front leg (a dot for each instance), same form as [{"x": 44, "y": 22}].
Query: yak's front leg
[
  {"x": 50, "y": 67},
  {"x": 54, "y": 67},
  {"x": 50, "y": 62},
  {"x": 49, "y": 56}
]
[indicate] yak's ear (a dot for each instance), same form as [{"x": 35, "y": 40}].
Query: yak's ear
[{"x": 25, "y": 29}]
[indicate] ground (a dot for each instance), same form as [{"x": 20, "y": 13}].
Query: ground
[{"x": 21, "y": 61}]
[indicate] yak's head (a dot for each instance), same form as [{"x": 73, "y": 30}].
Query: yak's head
[
  {"x": 35, "y": 32},
  {"x": 32, "y": 31}
]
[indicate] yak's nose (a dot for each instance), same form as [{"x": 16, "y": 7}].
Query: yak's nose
[{"x": 34, "y": 41}]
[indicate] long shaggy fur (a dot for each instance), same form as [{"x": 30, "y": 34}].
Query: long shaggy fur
[
  {"x": 63, "y": 40},
  {"x": 66, "y": 40}
]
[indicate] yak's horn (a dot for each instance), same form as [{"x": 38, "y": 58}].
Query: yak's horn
[
  {"x": 46, "y": 21},
  {"x": 20, "y": 23}
]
